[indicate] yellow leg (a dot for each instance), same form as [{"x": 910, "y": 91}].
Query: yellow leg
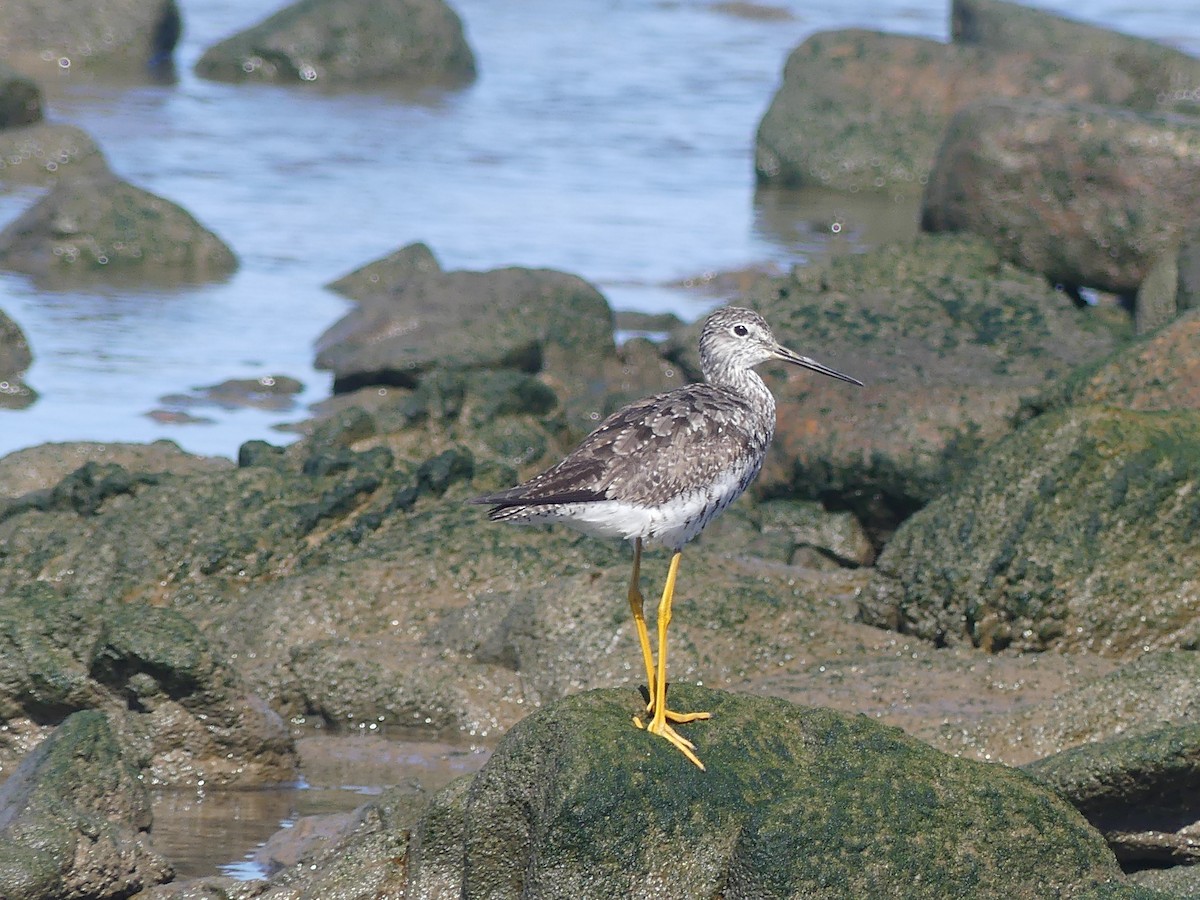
[
  {"x": 637, "y": 604},
  {"x": 658, "y": 700}
]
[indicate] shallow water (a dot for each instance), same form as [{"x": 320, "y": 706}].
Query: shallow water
[{"x": 606, "y": 138}]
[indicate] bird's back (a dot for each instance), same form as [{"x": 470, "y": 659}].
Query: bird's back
[{"x": 659, "y": 469}]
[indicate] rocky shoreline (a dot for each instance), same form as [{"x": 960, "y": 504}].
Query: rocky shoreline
[{"x": 949, "y": 639}]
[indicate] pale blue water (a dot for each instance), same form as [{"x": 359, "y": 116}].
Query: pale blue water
[{"x": 609, "y": 138}]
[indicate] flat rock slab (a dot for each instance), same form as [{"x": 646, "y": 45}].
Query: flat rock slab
[
  {"x": 1140, "y": 790},
  {"x": 796, "y": 801}
]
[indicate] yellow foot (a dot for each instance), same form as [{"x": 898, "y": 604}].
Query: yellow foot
[
  {"x": 682, "y": 744},
  {"x": 676, "y": 717}
]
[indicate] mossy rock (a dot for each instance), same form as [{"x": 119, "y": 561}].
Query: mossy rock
[
  {"x": 1138, "y": 789},
  {"x": 795, "y": 802},
  {"x": 339, "y": 42},
  {"x": 99, "y": 225},
  {"x": 1079, "y": 531}
]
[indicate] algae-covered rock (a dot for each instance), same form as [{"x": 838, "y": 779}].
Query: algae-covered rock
[
  {"x": 1079, "y": 531},
  {"x": 176, "y": 706},
  {"x": 859, "y": 110},
  {"x": 338, "y": 42},
  {"x": 795, "y": 802},
  {"x": 74, "y": 819},
  {"x": 1159, "y": 372},
  {"x": 1141, "y": 790},
  {"x": 947, "y": 337},
  {"x": 1008, "y": 170},
  {"x": 93, "y": 226}
]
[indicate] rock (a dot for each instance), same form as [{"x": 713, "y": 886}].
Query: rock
[
  {"x": 796, "y": 802},
  {"x": 1045, "y": 543},
  {"x": 176, "y": 707},
  {"x": 104, "y": 226},
  {"x": 340, "y": 42},
  {"x": 272, "y": 392},
  {"x": 14, "y": 360},
  {"x": 74, "y": 819},
  {"x": 1187, "y": 293},
  {"x": 1007, "y": 170},
  {"x": 40, "y": 468},
  {"x": 20, "y": 99},
  {"x": 947, "y": 338},
  {"x": 859, "y": 110},
  {"x": 1139, "y": 790},
  {"x": 1121, "y": 70},
  {"x": 1156, "y": 303},
  {"x": 47, "y": 151},
  {"x": 1160, "y": 372},
  {"x": 795, "y": 532},
  {"x": 1152, "y": 690},
  {"x": 423, "y": 318},
  {"x": 106, "y": 38}
]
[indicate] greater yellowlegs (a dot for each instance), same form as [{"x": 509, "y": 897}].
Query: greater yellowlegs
[{"x": 661, "y": 468}]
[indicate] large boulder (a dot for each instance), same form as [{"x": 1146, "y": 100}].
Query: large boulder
[
  {"x": 948, "y": 339},
  {"x": 89, "y": 227},
  {"x": 104, "y": 37},
  {"x": 1008, "y": 170},
  {"x": 75, "y": 817},
  {"x": 795, "y": 802},
  {"x": 339, "y": 42},
  {"x": 861, "y": 110},
  {"x": 1080, "y": 531},
  {"x": 15, "y": 358},
  {"x": 413, "y": 317}
]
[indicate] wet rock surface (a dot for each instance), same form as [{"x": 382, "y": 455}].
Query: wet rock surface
[
  {"x": 348, "y": 42},
  {"x": 101, "y": 226},
  {"x": 1138, "y": 790},
  {"x": 412, "y": 317},
  {"x": 44, "y": 152},
  {"x": 74, "y": 818}
]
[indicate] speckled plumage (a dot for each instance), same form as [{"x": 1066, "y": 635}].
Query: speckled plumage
[{"x": 663, "y": 467}]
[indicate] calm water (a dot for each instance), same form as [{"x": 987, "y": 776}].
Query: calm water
[{"x": 610, "y": 138}]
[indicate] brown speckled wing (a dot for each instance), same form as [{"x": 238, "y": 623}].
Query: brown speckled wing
[{"x": 650, "y": 452}]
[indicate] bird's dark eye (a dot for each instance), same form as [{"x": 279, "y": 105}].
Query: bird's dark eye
[{"x": 741, "y": 330}]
